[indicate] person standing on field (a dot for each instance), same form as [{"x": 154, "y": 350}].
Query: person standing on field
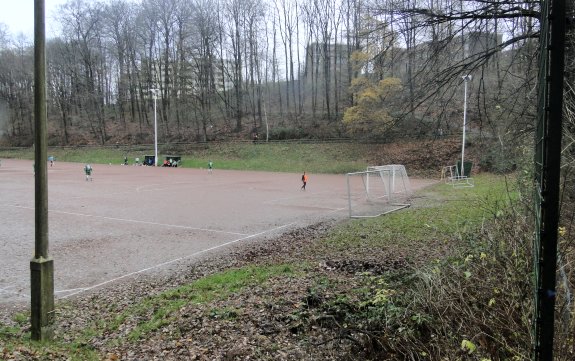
[
  {"x": 88, "y": 172},
  {"x": 210, "y": 166},
  {"x": 303, "y": 180}
]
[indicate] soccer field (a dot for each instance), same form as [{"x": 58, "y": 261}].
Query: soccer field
[{"x": 133, "y": 219}]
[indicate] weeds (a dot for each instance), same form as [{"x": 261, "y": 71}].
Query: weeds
[{"x": 470, "y": 301}]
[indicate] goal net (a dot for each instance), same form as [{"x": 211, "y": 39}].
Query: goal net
[{"x": 378, "y": 190}]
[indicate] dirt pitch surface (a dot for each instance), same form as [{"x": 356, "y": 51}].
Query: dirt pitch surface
[{"x": 132, "y": 220}]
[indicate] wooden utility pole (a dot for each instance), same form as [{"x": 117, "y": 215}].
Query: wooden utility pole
[{"x": 41, "y": 266}]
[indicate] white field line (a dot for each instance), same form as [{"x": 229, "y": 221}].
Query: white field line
[
  {"x": 136, "y": 221},
  {"x": 80, "y": 290},
  {"x": 19, "y": 294}
]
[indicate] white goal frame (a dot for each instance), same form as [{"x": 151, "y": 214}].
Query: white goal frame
[
  {"x": 383, "y": 189},
  {"x": 397, "y": 179}
]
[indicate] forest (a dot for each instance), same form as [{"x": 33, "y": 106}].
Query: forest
[{"x": 209, "y": 69}]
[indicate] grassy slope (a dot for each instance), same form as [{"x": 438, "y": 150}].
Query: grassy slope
[
  {"x": 276, "y": 157},
  {"x": 422, "y": 157}
]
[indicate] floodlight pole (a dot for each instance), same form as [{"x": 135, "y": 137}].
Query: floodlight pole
[
  {"x": 41, "y": 266},
  {"x": 267, "y": 125},
  {"x": 466, "y": 78},
  {"x": 155, "y": 93}
]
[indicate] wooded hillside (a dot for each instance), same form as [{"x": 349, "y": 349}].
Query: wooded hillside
[{"x": 280, "y": 68}]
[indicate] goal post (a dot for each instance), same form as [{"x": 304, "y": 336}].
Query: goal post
[
  {"x": 378, "y": 190},
  {"x": 396, "y": 177}
]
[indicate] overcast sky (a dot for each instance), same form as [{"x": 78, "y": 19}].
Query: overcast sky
[{"x": 18, "y": 15}]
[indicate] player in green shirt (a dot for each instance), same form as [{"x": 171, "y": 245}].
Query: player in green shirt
[{"x": 88, "y": 171}]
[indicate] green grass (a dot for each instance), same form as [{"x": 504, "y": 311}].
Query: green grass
[
  {"x": 14, "y": 339},
  {"x": 275, "y": 157},
  {"x": 160, "y": 310},
  {"x": 442, "y": 212}
]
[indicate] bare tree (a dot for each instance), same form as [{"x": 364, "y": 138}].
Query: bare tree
[
  {"x": 211, "y": 59},
  {"x": 60, "y": 80},
  {"x": 3, "y": 36},
  {"x": 235, "y": 10},
  {"x": 163, "y": 15},
  {"x": 118, "y": 19},
  {"x": 16, "y": 87},
  {"x": 82, "y": 22},
  {"x": 203, "y": 62},
  {"x": 255, "y": 28},
  {"x": 452, "y": 39},
  {"x": 287, "y": 15}
]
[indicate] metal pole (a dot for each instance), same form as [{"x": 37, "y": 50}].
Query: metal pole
[
  {"x": 41, "y": 266},
  {"x": 267, "y": 125},
  {"x": 154, "y": 91},
  {"x": 548, "y": 170},
  {"x": 462, "y": 170},
  {"x": 348, "y": 196}
]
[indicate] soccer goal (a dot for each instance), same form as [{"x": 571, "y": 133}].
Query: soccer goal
[{"x": 378, "y": 190}]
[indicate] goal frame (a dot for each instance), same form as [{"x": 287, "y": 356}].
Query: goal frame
[
  {"x": 395, "y": 182},
  {"x": 394, "y": 171}
]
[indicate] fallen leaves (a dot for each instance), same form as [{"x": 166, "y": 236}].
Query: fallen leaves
[{"x": 277, "y": 320}]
